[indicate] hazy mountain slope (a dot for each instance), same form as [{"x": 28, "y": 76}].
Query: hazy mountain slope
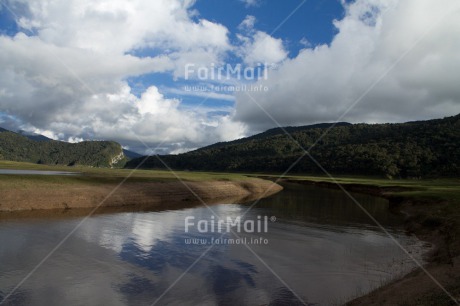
[
  {"x": 34, "y": 136},
  {"x": 412, "y": 149},
  {"x": 130, "y": 154}
]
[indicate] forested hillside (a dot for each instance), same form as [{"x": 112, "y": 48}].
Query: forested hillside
[
  {"x": 413, "y": 149},
  {"x": 16, "y": 147}
]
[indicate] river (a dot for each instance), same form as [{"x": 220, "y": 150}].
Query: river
[
  {"x": 35, "y": 172},
  {"x": 313, "y": 246}
]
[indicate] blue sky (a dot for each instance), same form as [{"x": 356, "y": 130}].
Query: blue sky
[
  {"x": 306, "y": 24},
  {"x": 313, "y": 19},
  {"x": 76, "y": 70}
]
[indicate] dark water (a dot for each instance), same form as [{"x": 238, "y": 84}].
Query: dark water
[
  {"x": 321, "y": 249},
  {"x": 36, "y": 172}
]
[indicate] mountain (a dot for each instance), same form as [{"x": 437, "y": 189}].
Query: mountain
[
  {"x": 36, "y": 149},
  {"x": 33, "y": 136},
  {"x": 412, "y": 149},
  {"x": 276, "y": 132},
  {"x": 38, "y": 137},
  {"x": 130, "y": 154}
]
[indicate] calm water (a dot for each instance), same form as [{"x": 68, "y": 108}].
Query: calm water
[
  {"x": 321, "y": 246},
  {"x": 36, "y": 172}
]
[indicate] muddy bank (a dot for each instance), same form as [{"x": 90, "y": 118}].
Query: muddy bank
[
  {"x": 425, "y": 219},
  {"x": 132, "y": 194}
]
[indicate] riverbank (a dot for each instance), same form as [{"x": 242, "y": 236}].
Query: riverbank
[
  {"x": 122, "y": 188},
  {"x": 138, "y": 194},
  {"x": 432, "y": 211}
]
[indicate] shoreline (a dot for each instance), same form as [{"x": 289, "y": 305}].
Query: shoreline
[
  {"x": 141, "y": 195},
  {"x": 416, "y": 287}
]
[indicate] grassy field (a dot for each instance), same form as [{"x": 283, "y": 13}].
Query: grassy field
[
  {"x": 443, "y": 189},
  {"x": 447, "y": 189},
  {"x": 90, "y": 187},
  {"x": 91, "y": 175}
]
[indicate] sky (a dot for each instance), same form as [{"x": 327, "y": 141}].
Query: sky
[{"x": 169, "y": 76}]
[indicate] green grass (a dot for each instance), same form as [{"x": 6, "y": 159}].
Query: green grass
[
  {"x": 443, "y": 189},
  {"x": 91, "y": 175}
]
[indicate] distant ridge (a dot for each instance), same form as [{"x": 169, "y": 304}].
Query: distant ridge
[
  {"x": 131, "y": 154},
  {"x": 276, "y": 131},
  {"x": 413, "y": 149},
  {"x": 34, "y": 136}
]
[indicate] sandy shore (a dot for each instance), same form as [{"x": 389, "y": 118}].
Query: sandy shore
[{"x": 139, "y": 194}]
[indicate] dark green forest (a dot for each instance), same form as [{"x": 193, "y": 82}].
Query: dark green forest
[
  {"x": 403, "y": 150},
  {"x": 16, "y": 147}
]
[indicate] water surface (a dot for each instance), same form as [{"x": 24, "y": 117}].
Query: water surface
[
  {"x": 321, "y": 248},
  {"x": 36, "y": 172}
]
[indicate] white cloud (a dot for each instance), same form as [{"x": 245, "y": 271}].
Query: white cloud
[
  {"x": 257, "y": 46},
  {"x": 118, "y": 26},
  {"x": 68, "y": 78},
  {"x": 251, "y": 3},
  {"x": 261, "y": 48},
  {"x": 248, "y": 23},
  {"x": 305, "y": 42},
  {"x": 321, "y": 83}
]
